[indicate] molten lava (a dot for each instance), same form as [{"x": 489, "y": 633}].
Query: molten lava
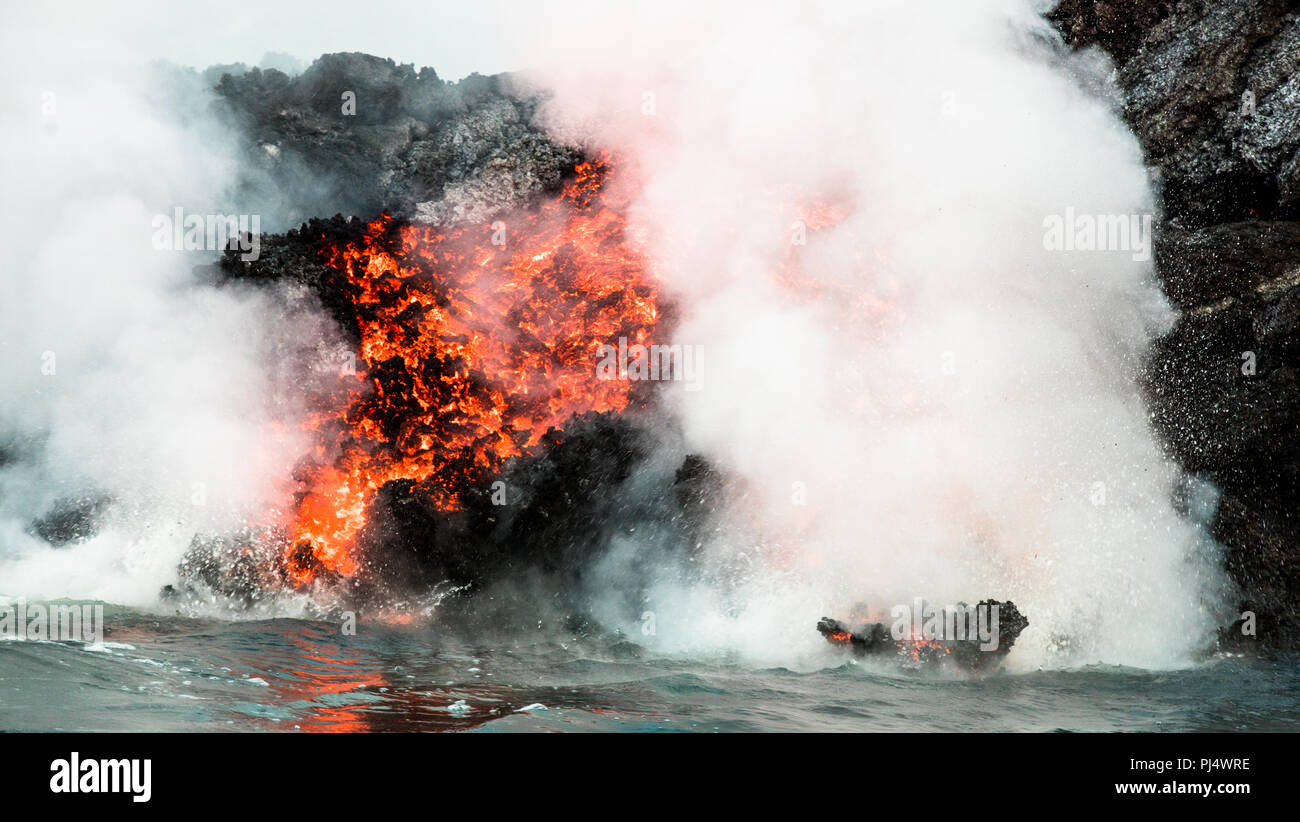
[{"x": 473, "y": 341}]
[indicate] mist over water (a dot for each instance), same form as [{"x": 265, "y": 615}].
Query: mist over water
[
  {"x": 134, "y": 390},
  {"x": 948, "y": 409}
]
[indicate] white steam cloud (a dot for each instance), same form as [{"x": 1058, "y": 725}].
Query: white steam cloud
[
  {"x": 126, "y": 379},
  {"x": 955, "y": 403}
]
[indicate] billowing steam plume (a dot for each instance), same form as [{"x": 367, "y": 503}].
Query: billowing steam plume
[
  {"x": 934, "y": 403},
  {"x": 140, "y": 406}
]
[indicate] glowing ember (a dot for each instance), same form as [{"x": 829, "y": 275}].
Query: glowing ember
[{"x": 473, "y": 342}]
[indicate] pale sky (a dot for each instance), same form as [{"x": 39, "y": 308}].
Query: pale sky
[{"x": 455, "y": 37}]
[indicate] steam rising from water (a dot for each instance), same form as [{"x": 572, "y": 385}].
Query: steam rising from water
[
  {"x": 983, "y": 436},
  {"x": 126, "y": 380}
]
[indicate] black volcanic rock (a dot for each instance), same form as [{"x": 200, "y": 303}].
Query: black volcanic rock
[
  {"x": 550, "y": 513},
  {"x": 413, "y": 139},
  {"x": 1213, "y": 94},
  {"x": 1212, "y": 91},
  {"x": 1245, "y": 262},
  {"x": 71, "y": 520},
  {"x": 866, "y": 638},
  {"x": 1118, "y": 26}
]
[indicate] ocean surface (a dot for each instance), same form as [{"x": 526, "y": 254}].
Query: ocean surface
[{"x": 180, "y": 674}]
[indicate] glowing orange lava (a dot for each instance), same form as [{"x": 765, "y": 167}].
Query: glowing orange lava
[{"x": 473, "y": 342}]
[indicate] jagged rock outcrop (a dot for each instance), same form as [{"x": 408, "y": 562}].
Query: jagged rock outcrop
[
  {"x": 1212, "y": 91},
  {"x": 359, "y": 134}
]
